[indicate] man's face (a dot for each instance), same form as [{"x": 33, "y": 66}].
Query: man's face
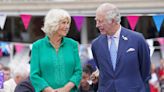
[
  {"x": 102, "y": 23},
  {"x": 6, "y": 74}
]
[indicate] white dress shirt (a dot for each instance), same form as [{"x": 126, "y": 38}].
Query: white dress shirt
[
  {"x": 116, "y": 38},
  {"x": 9, "y": 85}
]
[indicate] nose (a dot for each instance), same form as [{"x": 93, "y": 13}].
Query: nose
[
  {"x": 97, "y": 24},
  {"x": 67, "y": 26}
]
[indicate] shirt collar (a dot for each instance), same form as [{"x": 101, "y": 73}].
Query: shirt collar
[
  {"x": 48, "y": 40},
  {"x": 117, "y": 34}
]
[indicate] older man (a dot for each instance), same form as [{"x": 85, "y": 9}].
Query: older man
[
  {"x": 19, "y": 74},
  {"x": 121, "y": 55}
]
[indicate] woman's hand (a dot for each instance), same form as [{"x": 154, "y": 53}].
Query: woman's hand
[
  {"x": 61, "y": 90},
  {"x": 66, "y": 88},
  {"x": 48, "y": 89}
]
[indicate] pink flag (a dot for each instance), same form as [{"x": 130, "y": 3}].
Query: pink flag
[
  {"x": 78, "y": 21},
  {"x": 26, "y": 20},
  {"x": 1, "y": 53},
  {"x": 161, "y": 41},
  {"x": 132, "y": 21},
  {"x": 19, "y": 47}
]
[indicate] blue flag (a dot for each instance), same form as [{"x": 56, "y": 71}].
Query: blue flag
[{"x": 158, "y": 20}]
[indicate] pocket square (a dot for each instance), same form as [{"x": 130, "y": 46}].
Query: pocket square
[{"x": 130, "y": 49}]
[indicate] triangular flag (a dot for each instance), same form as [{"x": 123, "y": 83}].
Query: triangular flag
[
  {"x": 78, "y": 21},
  {"x": 150, "y": 42},
  {"x": 1, "y": 54},
  {"x": 151, "y": 47},
  {"x": 26, "y": 20},
  {"x": 19, "y": 47},
  {"x": 2, "y": 20},
  {"x": 5, "y": 48},
  {"x": 161, "y": 41},
  {"x": 151, "y": 50},
  {"x": 132, "y": 21},
  {"x": 158, "y": 19}
]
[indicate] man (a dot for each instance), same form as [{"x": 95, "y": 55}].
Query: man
[
  {"x": 7, "y": 72},
  {"x": 24, "y": 86},
  {"x": 121, "y": 55},
  {"x": 19, "y": 74}
]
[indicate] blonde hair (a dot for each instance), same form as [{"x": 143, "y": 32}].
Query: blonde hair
[{"x": 52, "y": 19}]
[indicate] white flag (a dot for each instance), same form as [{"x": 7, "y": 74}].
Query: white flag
[
  {"x": 150, "y": 42},
  {"x": 151, "y": 47},
  {"x": 2, "y": 20}
]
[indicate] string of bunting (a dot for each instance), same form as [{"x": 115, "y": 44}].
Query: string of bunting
[{"x": 79, "y": 21}]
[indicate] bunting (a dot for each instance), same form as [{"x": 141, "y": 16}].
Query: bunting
[
  {"x": 158, "y": 20},
  {"x": 19, "y": 47},
  {"x": 79, "y": 22},
  {"x": 161, "y": 41},
  {"x": 1, "y": 54},
  {"x": 151, "y": 47},
  {"x": 26, "y": 20},
  {"x": 2, "y": 20},
  {"x": 132, "y": 21}
]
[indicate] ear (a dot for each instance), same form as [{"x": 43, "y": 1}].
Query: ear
[{"x": 113, "y": 21}]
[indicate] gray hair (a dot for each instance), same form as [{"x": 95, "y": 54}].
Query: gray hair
[
  {"x": 52, "y": 19},
  {"x": 21, "y": 70},
  {"x": 111, "y": 11}
]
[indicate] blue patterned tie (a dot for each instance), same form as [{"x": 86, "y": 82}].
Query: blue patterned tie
[{"x": 113, "y": 52}]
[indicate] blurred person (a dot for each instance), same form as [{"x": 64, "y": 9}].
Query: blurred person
[
  {"x": 121, "y": 55},
  {"x": 25, "y": 86},
  {"x": 154, "y": 83},
  {"x": 84, "y": 56},
  {"x": 85, "y": 84},
  {"x": 55, "y": 62},
  {"x": 161, "y": 71},
  {"x": 19, "y": 74},
  {"x": 92, "y": 63},
  {"x": 1, "y": 66},
  {"x": 7, "y": 72},
  {"x": 161, "y": 74}
]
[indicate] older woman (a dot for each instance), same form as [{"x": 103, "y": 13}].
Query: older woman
[{"x": 55, "y": 62}]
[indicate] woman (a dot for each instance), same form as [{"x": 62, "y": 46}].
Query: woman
[{"x": 55, "y": 62}]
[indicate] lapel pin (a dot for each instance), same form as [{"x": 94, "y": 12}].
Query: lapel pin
[{"x": 124, "y": 37}]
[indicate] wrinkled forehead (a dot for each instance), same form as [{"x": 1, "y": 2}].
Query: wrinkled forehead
[
  {"x": 100, "y": 15},
  {"x": 104, "y": 8}
]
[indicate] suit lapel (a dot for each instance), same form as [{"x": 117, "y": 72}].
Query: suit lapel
[
  {"x": 123, "y": 40},
  {"x": 104, "y": 43}
]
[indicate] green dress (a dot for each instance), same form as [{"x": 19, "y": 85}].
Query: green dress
[{"x": 55, "y": 69}]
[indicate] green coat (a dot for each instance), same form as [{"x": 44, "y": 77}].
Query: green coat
[{"x": 55, "y": 69}]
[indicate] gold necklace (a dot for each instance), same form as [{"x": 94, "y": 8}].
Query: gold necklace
[{"x": 55, "y": 45}]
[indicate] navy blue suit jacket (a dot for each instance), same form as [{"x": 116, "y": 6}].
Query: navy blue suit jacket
[{"x": 132, "y": 67}]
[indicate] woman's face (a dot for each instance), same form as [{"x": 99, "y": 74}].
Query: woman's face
[{"x": 63, "y": 27}]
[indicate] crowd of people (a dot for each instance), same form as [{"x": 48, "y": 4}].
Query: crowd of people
[
  {"x": 19, "y": 81},
  {"x": 121, "y": 59}
]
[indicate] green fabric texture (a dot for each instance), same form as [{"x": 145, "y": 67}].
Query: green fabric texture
[{"x": 55, "y": 69}]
